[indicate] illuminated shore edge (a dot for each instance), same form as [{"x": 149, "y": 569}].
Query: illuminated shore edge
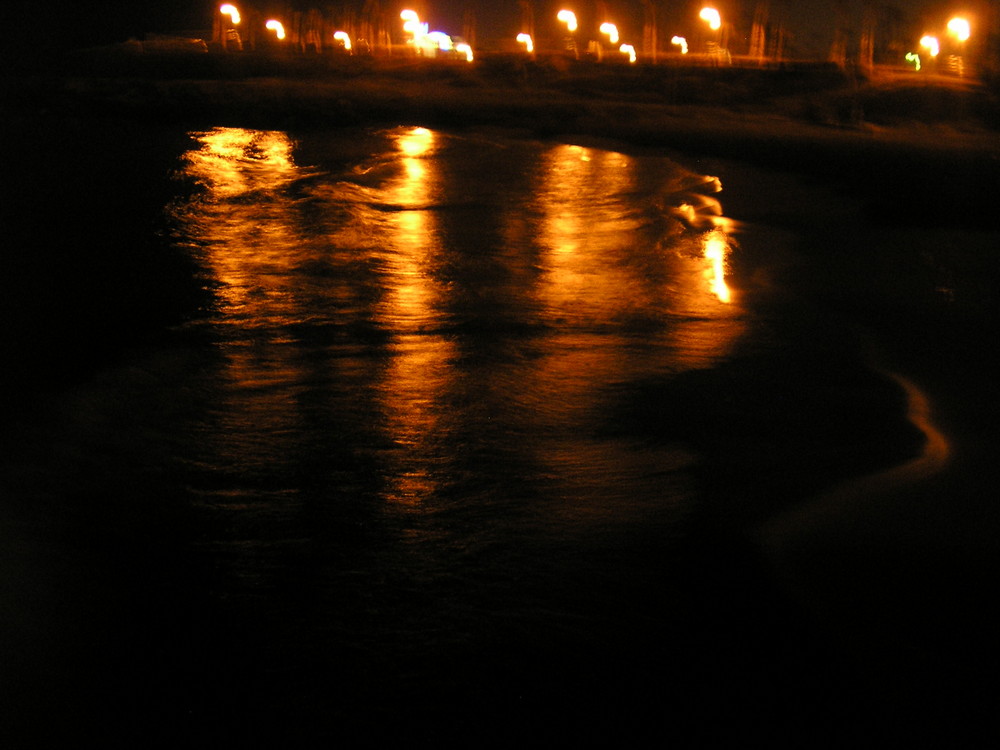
[
  {"x": 812, "y": 119},
  {"x": 644, "y": 104}
]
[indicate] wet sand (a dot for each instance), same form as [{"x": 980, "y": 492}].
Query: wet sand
[{"x": 897, "y": 565}]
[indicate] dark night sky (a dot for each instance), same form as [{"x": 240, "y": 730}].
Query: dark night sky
[{"x": 94, "y": 22}]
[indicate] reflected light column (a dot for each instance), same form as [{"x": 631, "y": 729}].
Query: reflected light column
[
  {"x": 420, "y": 371},
  {"x": 716, "y": 249}
]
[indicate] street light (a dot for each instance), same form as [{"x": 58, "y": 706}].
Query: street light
[
  {"x": 628, "y": 49},
  {"x": 525, "y": 39},
  {"x": 960, "y": 29},
  {"x": 231, "y": 11},
  {"x": 611, "y": 30},
  {"x": 930, "y": 43},
  {"x": 277, "y": 27},
  {"x": 344, "y": 38},
  {"x": 568, "y": 17},
  {"x": 440, "y": 40},
  {"x": 412, "y": 26},
  {"x": 712, "y": 17},
  {"x": 680, "y": 42},
  {"x": 224, "y": 27}
]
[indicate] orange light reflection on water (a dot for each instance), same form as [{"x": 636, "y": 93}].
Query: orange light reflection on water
[
  {"x": 412, "y": 389},
  {"x": 601, "y": 272},
  {"x": 410, "y": 236},
  {"x": 247, "y": 240},
  {"x": 607, "y": 295},
  {"x": 232, "y": 161},
  {"x": 583, "y": 288},
  {"x": 716, "y": 249},
  {"x": 248, "y": 246}
]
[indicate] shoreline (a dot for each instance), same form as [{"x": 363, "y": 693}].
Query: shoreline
[
  {"x": 892, "y": 139},
  {"x": 645, "y": 105}
]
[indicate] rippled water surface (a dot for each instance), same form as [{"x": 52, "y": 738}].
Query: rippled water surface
[
  {"x": 413, "y": 466},
  {"x": 445, "y": 322}
]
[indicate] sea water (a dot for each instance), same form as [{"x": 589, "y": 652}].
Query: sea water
[{"x": 461, "y": 439}]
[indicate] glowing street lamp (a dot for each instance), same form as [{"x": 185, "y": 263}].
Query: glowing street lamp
[
  {"x": 568, "y": 17},
  {"x": 611, "y": 30},
  {"x": 930, "y": 43},
  {"x": 525, "y": 39},
  {"x": 231, "y": 11},
  {"x": 711, "y": 17},
  {"x": 960, "y": 29},
  {"x": 628, "y": 49},
  {"x": 913, "y": 57},
  {"x": 412, "y": 26},
  {"x": 440, "y": 40},
  {"x": 344, "y": 38},
  {"x": 224, "y": 27},
  {"x": 680, "y": 42},
  {"x": 464, "y": 49},
  {"x": 277, "y": 27}
]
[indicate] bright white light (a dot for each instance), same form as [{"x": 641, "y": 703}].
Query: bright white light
[
  {"x": 931, "y": 44},
  {"x": 440, "y": 40},
  {"x": 680, "y": 42},
  {"x": 413, "y": 27},
  {"x": 464, "y": 49},
  {"x": 629, "y": 50},
  {"x": 230, "y": 10},
  {"x": 568, "y": 17},
  {"x": 716, "y": 249},
  {"x": 525, "y": 39},
  {"x": 711, "y": 15},
  {"x": 611, "y": 30},
  {"x": 960, "y": 29},
  {"x": 276, "y": 27},
  {"x": 343, "y": 36}
]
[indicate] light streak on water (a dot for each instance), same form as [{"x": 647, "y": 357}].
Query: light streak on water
[
  {"x": 415, "y": 247},
  {"x": 716, "y": 250}
]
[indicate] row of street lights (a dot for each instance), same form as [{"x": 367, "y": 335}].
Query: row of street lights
[
  {"x": 273, "y": 25},
  {"x": 710, "y": 15},
  {"x": 430, "y": 43},
  {"x": 433, "y": 43},
  {"x": 957, "y": 28}
]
